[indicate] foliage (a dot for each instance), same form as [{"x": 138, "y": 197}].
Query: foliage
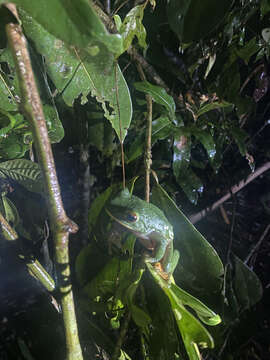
[{"x": 214, "y": 60}]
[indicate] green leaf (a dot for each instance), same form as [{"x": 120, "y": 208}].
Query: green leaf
[
  {"x": 159, "y": 95},
  {"x": 212, "y": 106},
  {"x": 77, "y": 23},
  {"x": 247, "y": 286},
  {"x": 192, "y": 331},
  {"x": 25, "y": 172},
  {"x": 265, "y": 7},
  {"x": 206, "y": 315},
  {"x": 98, "y": 205},
  {"x": 10, "y": 211},
  {"x": 192, "y": 20},
  {"x": 248, "y": 50},
  {"x": 12, "y": 123},
  {"x": 189, "y": 182},
  {"x": 132, "y": 26},
  {"x": 240, "y": 137},
  {"x": 54, "y": 125},
  {"x": 76, "y": 74},
  {"x": 13, "y": 146},
  {"x": 206, "y": 140},
  {"x": 200, "y": 268}
]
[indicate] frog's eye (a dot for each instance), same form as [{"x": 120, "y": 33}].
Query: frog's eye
[{"x": 132, "y": 217}]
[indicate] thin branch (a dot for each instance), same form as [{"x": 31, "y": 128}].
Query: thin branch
[
  {"x": 200, "y": 215},
  {"x": 148, "y": 137},
  {"x": 257, "y": 246},
  {"x": 61, "y": 225}
]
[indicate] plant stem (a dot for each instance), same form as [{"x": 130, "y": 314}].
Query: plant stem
[
  {"x": 61, "y": 225},
  {"x": 148, "y": 137}
]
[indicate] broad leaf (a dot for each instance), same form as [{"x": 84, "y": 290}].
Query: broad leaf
[
  {"x": 159, "y": 95},
  {"x": 77, "y": 23},
  {"x": 211, "y": 106},
  {"x": 76, "y": 74},
  {"x": 192, "y": 331},
  {"x": 200, "y": 268},
  {"x": 247, "y": 286}
]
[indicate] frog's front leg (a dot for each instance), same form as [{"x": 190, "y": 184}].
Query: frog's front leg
[
  {"x": 170, "y": 259},
  {"x": 159, "y": 251}
]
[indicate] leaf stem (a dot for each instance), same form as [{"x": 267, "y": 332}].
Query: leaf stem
[{"x": 61, "y": 225}]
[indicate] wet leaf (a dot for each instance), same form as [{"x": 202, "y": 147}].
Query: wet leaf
[
  {"x": 200, "y": 268},
  {"x": 132, "y": 26},
  {"x": 240, "y": 137},
  {"x": 206, "y": 140}
]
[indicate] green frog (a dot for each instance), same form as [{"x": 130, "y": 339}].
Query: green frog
[{"x": 149, "y": 224}]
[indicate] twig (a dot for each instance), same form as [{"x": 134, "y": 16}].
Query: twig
[
  {"x": 61, "y": 225},
  {"x": 256, "y": 247},
  {"x": 85, "y": 195},
  {"x": 200, "y": 215},
  {"x": 148, "y": 137},
  {"x": 229, "y": 249}
]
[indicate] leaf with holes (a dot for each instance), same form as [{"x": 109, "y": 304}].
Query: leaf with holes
[{"x": 77, "y": 74}]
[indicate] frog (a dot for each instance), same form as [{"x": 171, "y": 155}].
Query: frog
[{"x": 150, "y": 226}]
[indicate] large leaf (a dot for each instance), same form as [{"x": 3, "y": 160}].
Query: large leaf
[
  {"x": 247, "y": 286},
  {"x": 159, "y": 95},
  {"x": 192, "y": 20},
  {"x": 25, "y": 172},
  {"x": 200, "y": 268},
  {"x": 76, "y": 74},
  {"x": 192, "y": 331},
  {"x": 74, "y": 22}
]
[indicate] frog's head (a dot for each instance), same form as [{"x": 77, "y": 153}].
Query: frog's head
[
  {"x": 125, "y": 209},
  {"x": 138, "y": 216}
]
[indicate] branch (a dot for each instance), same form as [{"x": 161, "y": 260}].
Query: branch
[
  {"x": 200, "y": 215},
  {"x": 257, "y": 246},
  {"x": 61, "y": 225}
]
